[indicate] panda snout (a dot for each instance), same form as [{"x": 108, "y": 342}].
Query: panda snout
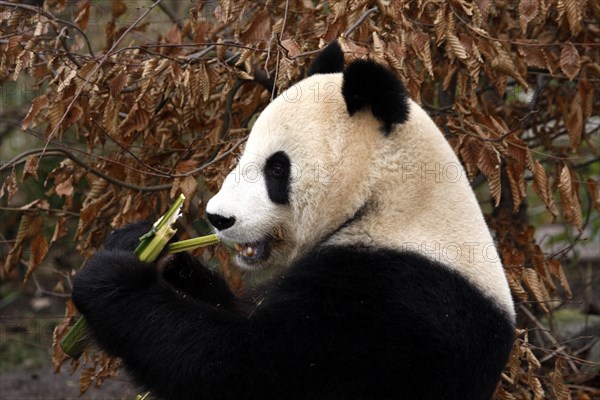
[{"x": 220, "y": 222}]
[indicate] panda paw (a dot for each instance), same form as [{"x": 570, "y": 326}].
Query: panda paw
[
  {"x": 109, "y": 278},
  {"x": 189, "y": 277},
  {"x": 128, "y": 237}
]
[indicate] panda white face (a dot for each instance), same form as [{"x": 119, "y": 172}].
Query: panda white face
[{"x": 302, "y": 175}]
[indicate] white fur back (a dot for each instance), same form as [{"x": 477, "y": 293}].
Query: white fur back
[{"x": 423, "y": 202}]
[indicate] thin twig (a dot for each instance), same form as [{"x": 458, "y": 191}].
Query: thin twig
[
  {"x": 125, "y": 149},
  {"x": 285, "y": 13},
  {"x": 63, "y": 40},
  {"x": 219, "y": 158},
  {"x": 484, "y": 34},
  {"x": 359, "y": 21},
  {"x": 48, "y": 210},
  {"x": 549, "y": 336},
  {"x": 41, "y": 290},
  {"x": 43, "y": 152}
]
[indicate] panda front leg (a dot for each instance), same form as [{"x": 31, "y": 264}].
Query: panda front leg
[
  {"x": 166, "y": 340},
  {"x": 175, "y": 346}
]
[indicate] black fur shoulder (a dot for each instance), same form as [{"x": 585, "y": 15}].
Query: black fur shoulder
[{"x": 329, "y": 61}]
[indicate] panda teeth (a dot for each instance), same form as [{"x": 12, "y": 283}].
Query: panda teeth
[{"x": 247, "y": 250}]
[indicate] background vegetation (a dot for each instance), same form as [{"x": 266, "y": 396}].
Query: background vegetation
[{"x": 111, "y": 108}]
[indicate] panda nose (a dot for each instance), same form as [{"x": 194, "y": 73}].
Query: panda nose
[{"x": 220, "y": 222}]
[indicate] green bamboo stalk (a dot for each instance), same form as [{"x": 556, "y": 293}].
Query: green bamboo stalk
[
  {"x": 191, "y": 244},
  {"x": 150, "y": 247}
]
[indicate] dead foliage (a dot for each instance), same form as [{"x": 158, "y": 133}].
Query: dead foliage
[{"x": 130, "y": 113}]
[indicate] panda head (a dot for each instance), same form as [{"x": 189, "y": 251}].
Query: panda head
[{"x": 306, "y": 170}]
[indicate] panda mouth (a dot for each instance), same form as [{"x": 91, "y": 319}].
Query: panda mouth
[{"x": 253, "y": 251}]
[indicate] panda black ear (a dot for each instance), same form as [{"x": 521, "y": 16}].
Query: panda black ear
[
  {"x": 367, "y": 83},
  {"x": 329, "y": 61}
]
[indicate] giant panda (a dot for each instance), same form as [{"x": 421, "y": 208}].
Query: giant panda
[{"x": 384, "y": 279}]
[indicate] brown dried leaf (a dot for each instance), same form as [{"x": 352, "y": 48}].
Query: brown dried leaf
[
  {"x": 542, "y": 188},
  {"x": 594, "y": 190},
  {"x": 516, "y": 180},
  {"x": 504, "y": 64},
  {"x": 118, "y": 8},
  {"x": 422, "y": 47},
  {"x": 489, "y": 164},
  {"x": 558, "y": 384},
  {"x": 378, "y": 47},
  {"x": 87, "y": 216},
  {"x": 37, "y": 105},
  {"x": 204, "y": 81},
  {"x": 291, "y": 46},
  {"x": 441, "y": 24},
  {"x": 150, "y": 66},
  {"x": 118, "y": 83},
  {"x": 574, "y": 121},
  {"x": 356, "y": 51},
  {"x": 516, "y": 288},
  {"x": 528, "y": 10},
  {"x": 23, "y": 61},
  {"x": 557, "y": 270},
  {"x": 535, "y": 55},
  {"x": 29, "y": 227},
  {"x": 569, "y": 199},
  {"x": 470, "y": 149},
  {"x": 55, "y": 114},
  {"x": 39, "y": 249},
  {"x": 570, "y": 62},
  {"x": 246, "y": 76},
  {"x": 108, "y": 368},
  {"x": 538, "y": 390},
  {"x": 173, "y": 36},
  {"x": 31, "y": 167},
  {"x": 86, "y": 379},
  {"x": 137, "y": 120},
  {"x": 246, "y": 53},
  {"x": 67, "y": 81},
  {"x": 83, "y": 14},
  {"x": 58, "y": 355},
  {"x": 221, "y": 49},
  {"x": 65, "y": 188},
  {"x": 574, "y": 15},
  {"x": 536, "y": 287},
  {"x": 586, "y": 90},
  {"x": 455, "y": 47},
  {"x": 60, "y": 229},
  {"x": 9, "y": 186},
  {"x": 502, "y": 394},
  {"x": 259, "y": 29}
]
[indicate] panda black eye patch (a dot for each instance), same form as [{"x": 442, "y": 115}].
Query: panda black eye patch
[{"x": 277, "y": 177}]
